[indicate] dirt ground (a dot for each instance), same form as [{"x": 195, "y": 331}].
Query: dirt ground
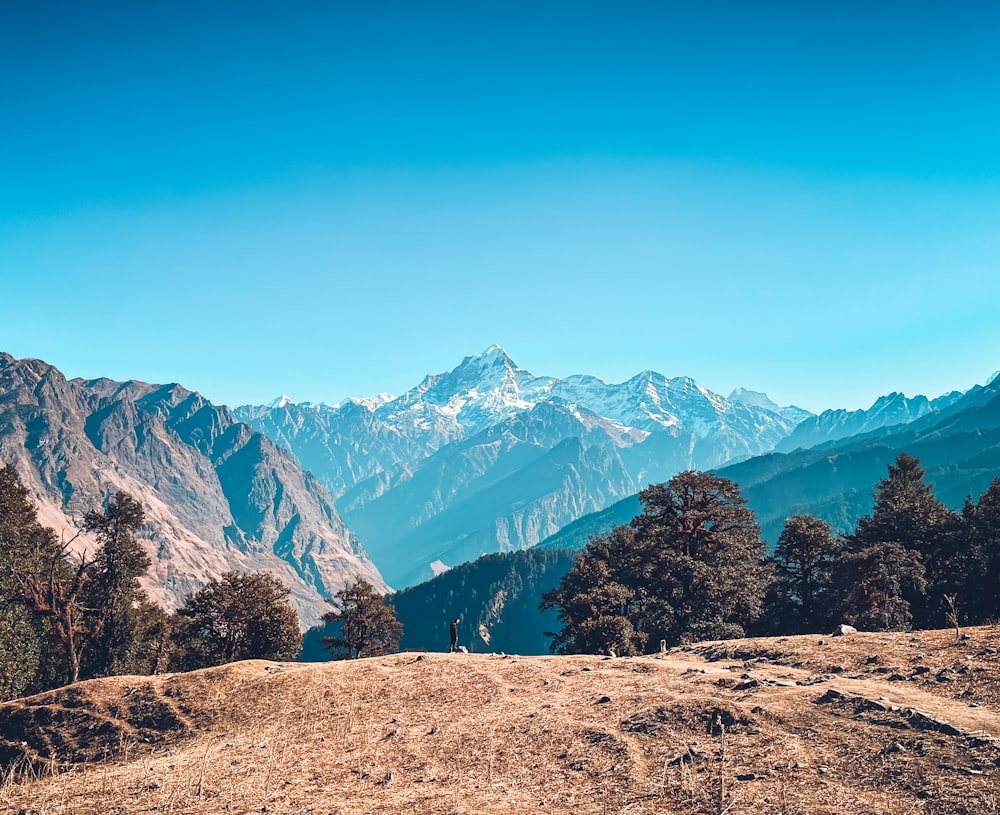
[{"x": 866, "y": 723}]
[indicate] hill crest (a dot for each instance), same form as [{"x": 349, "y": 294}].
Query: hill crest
[{"x": 889, "y": 723}]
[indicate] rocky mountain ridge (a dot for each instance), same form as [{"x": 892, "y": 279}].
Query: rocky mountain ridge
[
  {"x": 887, "y": 411},
  {"x": 217, "y": 494},
  {"x": 958, "y": 443}
]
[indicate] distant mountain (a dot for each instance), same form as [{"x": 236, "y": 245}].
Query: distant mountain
[
  {"x": 958, "y": 442},
  {"x": 217, "y": 494},
  {"x": 496, "y": 598},
  {"x": 887, "y": 411},
  {"x": 795, "y": 415},
  {"x": 489, "y": 457},
  {"x": 575, "y": 536}
]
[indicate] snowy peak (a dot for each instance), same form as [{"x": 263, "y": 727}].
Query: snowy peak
[
  {"x": 492, "y": 370},
  {"x": 886, "y": 411},
  {"x": 792, "y": 414},
  {"x": 372, "y": 403},
  {"x": 484, "y": 389},
  {"x": 281, "y": 402},
  {"x": 753, "y": 398}
]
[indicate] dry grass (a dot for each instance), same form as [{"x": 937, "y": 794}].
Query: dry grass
[{"x": 869, "y": 723}]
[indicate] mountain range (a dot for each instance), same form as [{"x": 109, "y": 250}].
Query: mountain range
[
  {"x": 486, "y": 458},
  {"x": 489, "y": 457},
  {"x": 217, "y": 495},
  {"x": 957, "y": 441}
]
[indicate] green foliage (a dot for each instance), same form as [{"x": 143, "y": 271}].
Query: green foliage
[
  {"x": 980, "y": 593},
  {"x": 38, "y": 592},
  {"x": 900, "y": 553},
  {"x": 20, "y": 651},
  {"x": 875, "y": 582},
  {"x": 240, "y": 616},
  {"x": 20, "y": 644},
  {"x": 151, "y": 653},
  {"x": 691, "y": 566},
  {"x": 496, "y": 596},
  {"x": 905, "y": 510},
  {"x": 90, "y": 605},
  {"x": 368, "y": 625},
  {"x": 801, "y": 599},
  {"x": 112, "y": 590},
  {"x": 593, "y": 603}
]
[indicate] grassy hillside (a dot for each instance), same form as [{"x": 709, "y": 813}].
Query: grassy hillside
[{"x": 887, "y": 723}]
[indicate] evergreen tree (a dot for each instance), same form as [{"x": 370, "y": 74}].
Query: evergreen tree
[
  {"x": 113, "y": 591},
  {"x": 691, "y": 566},
  {"x": 240, "y": 616},
  {"x": 368, "y": 625},
  {"x": 875, "y": 581},
  {"x": 41, "y": 589},
  {"x": 980, "y": 594},
  {"x": 805, "y": 558},
  {"x": 907, "y": 514},
  {"x": 52, "y": 587},
  {"x": 594, "y": 605},
  {"x": 20, "y": 640}
]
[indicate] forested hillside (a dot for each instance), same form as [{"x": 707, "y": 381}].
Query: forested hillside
[{"x": 496, "y": 598}]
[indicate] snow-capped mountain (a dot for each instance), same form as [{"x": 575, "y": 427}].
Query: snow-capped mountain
[
  {"x": 794, "y": 414},
  {"x": 886, "y": 411},
  {"x": 489, "y": 456}
]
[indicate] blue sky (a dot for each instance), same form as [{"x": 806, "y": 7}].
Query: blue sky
[{"x": 334, "y": 199}]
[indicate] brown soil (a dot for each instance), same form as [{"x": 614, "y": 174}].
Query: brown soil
[{"x": 867, "y": 723}]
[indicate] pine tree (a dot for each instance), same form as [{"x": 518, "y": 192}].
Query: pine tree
[
  {"x": 875, "y": 582},
  {"x": 113, "y": 591},
  {"x": 980, "y": 593},
  {"x": 20, "y": 641},
  {"x": 38, "y": 578},
  {"x": 907, "y": 514},
  {"x": 805, "y": 559}
]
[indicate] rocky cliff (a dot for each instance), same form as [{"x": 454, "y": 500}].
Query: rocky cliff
[{"x": 217, "y": 494}]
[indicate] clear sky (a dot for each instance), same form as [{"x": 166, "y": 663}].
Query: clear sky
[{"x": 334, "y": 199}]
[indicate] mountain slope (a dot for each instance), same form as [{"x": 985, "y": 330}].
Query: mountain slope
[
  {"x": 489, "y": 457},
  {"x": 507, "y": 488},
  {"x": 957, "y": 442},
  {"x": 831, "y": 425},
  {"x": 495, "y": 596},
  {"x": 958, "y": 445},
  {"x": 217, "y": 494}
]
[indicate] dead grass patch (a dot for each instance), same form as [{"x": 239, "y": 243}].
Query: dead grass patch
[{"x": 440, "y": 733}]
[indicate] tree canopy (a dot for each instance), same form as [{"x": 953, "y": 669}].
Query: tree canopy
[
  {"x": 802, "y": 596},
  {"x": 239, "y": 616},
  {"x": 898, "y": 564},
  {"x": 367, "y": 624},
  {"x": 691, "y": 566},
  {"x": 113, "y": 588}
]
